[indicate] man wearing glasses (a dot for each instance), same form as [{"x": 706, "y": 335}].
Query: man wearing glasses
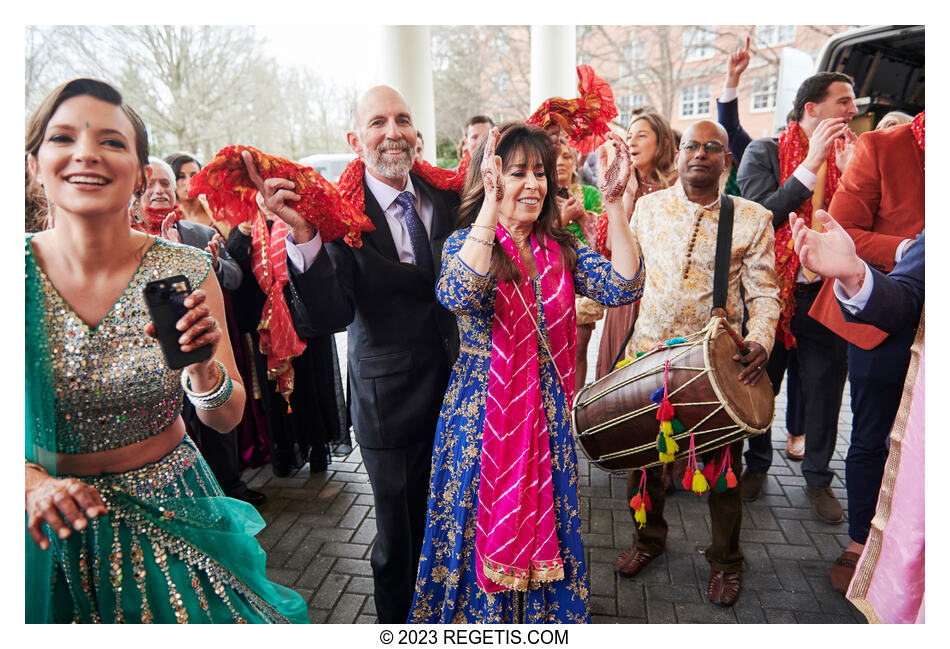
[{"x": 676, "y": 229}]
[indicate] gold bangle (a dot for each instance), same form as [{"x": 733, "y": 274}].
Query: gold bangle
[{"x": 478, "y": 225}]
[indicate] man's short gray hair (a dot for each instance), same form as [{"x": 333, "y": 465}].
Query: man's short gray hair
[{"x": 164, "y": 166}]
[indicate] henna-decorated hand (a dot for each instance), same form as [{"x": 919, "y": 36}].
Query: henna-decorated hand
[
  {"x": 613, "y": 179},
  {"x": 51, "y": 500},
  {"x": 491, "y": 169}
]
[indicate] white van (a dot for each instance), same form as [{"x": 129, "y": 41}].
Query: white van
[{"x": 328, "y": 165}]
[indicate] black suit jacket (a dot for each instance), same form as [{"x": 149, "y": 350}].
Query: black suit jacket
[
  {"x": 896, "y": 300},
  {"x": 759, "y": 180},
  {"x": 401, "y": 341},
  {"x": 199, "y": 236}
]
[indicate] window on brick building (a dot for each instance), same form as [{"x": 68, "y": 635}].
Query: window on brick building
[
  {"x": 764, "y": 91},
  {"x": 634, "y": 53},
  {"x": 770, "y": 35},
  {"x": 698, "y": 42},
  {"x": 626, "y": 103},
  {"x": 694, "y": 101}
]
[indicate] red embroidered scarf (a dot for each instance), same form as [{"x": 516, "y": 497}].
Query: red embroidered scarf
[
  {"x": 516, "y": 543},
  {"x": 917, "y": 128},
  {"x": 232, "y": 195},
  {"x": 155, "y": 216},
  {"x": 792, "y": 151},
  {"x": 350, "y": 183},
  {"x": 279, "y": 340}
]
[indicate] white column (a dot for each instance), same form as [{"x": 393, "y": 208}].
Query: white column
[
  {"x": 406, "y": 64},
  {"x": 553, "y": 63}
]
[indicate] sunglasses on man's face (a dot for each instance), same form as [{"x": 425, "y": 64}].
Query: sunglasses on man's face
[{"x": 711, "y": 147}]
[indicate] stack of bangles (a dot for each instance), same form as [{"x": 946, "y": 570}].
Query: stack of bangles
[
  {"x": 214, "y": 398},
  {"x": 484, "y": 242}
]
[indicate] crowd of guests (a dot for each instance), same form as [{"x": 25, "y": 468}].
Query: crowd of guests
[{"x": 469, "y": 310}]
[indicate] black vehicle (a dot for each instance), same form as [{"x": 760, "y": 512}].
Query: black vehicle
[{"x": 887, "y": 64}]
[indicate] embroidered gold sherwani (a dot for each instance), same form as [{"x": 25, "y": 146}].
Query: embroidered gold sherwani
[{"x": 677, "y": 296}]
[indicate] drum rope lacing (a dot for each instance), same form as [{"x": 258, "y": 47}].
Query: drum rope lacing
[{"x": 689, "y": 343}]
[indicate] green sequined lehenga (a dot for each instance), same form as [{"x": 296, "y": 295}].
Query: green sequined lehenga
[{"x": 172, "y": 548}]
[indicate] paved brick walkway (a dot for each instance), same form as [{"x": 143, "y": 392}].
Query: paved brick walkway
[{"x": 320, "y": 528}]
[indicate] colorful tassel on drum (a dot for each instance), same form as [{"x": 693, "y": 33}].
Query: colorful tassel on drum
[
  {"x": 640, "y": 503},
  {"x": 725, "y": 478},
  {"x": 666, "y": 446},
  {"x": 694, "y": 479}
]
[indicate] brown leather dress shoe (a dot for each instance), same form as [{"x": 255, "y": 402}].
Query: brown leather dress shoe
[
  {"x": 632, "y": 560},
  {"x": 795, "y": 448},
  {"x": 843, "y": 571},
  {"x": 724, "y": 587}
]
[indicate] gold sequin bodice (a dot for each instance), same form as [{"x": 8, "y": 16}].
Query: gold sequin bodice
[{"x": 112, "y": 385}]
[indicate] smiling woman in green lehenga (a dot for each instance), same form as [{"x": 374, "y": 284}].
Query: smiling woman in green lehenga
[{"x": 126, "y": 522}]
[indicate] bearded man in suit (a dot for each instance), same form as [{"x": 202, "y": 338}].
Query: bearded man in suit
[{"x": 401, "y": 341}]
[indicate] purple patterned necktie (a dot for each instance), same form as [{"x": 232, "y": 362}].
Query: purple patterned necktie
[{"x": 418, "y": 237}]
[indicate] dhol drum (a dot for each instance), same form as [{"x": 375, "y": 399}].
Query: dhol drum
[{"x": 615, "y": 419}]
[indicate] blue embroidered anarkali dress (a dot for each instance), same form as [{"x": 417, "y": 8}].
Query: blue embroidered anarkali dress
[{"x": 446, "y": 588}]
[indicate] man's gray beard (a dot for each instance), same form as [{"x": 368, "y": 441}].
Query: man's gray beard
[{"x": 394, "y": 169}]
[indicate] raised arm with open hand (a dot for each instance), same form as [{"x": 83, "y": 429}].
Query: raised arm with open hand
[
  {"x": 491, "y": 169},
  {"x": 738, "y": 62},
  {"x": 830, "y": 253},
  {"x": 625, "y": 254},
  {"x": 477, "y": 249}
]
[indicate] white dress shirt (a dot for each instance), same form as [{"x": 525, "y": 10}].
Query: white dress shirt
[
  {"x": 859, "y": 300},
  {"x": 302, "y": 255}
]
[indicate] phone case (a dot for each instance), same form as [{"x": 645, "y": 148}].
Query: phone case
[{"x": 165, "y": 300}]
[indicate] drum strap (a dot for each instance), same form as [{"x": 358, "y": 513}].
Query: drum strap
[{"x": 723, "y": 253}]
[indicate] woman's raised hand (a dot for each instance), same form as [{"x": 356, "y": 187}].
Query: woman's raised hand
[
  {"x": 613, "y": 178},
  {"x": 491, "y": 169},
  {"x": 51, "y": 500}
]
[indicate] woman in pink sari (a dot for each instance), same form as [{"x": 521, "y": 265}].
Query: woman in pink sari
[{"x": 502, "y": 540}]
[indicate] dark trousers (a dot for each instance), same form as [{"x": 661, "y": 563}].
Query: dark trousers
[
  {"x": 821, "y": 361},
  {"x": 725, "y": 512},
  {"x": 400, "y": 481},
  {"x": 219, "y": 450},
  {"x": 877, "y": 383}
]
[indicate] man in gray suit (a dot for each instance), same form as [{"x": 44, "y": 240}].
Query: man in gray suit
[{"x": 220, "y": 450}]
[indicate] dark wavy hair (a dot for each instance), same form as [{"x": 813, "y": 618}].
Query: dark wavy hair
[
  {"x": 177, "y": 160},
  {"x": 536, "y": 144},
  {"x": 98, "y": 90},
  {"x": 814, "y": 89}
]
